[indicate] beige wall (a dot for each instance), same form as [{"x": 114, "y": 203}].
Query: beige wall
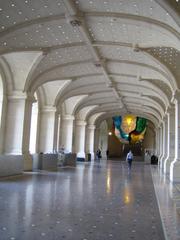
[
  {"x": 114, "y": 146},
  {"x": 149, "y": 140}
]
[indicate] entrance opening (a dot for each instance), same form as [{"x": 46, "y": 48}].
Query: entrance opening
[{"x": 124, "y": 133}]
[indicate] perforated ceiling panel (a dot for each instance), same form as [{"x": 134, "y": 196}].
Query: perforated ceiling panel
[
  {"x": 163, "y": 87},
  {"x": 43, "y": 34},
  {"x": 118, "y": 29},
  {"x": 109, "y": 48},
  {"x": 170, "y": 57},
  {"x": 61, "y": 57},
  {"x": 146, "y": 8},
  {"x": 14, "y": 12}
]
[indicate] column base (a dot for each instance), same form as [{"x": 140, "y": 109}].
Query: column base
[
  {"x": 175, "y": 171},
  {"x": 89, "y": 156},
  {"x": 81, "y": 156},
  {"x": 27, "y": 162},
  {"x": 167, "y": 164},
  {"x": 92, "y": 155},
  {"x": 80, "y": 159}
]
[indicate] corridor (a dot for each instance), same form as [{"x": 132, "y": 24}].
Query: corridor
[{"x": 94, "y": 201}]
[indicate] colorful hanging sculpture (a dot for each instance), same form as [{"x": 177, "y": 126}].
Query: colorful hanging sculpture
[
  {"x": 128, "y": 123},
  {"x": 129, "y": 128}
]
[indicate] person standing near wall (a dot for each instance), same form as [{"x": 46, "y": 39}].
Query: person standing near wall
[
  {"x": 98, "y": 154},
  {"x": 129, "y": 159},
  {"x": 107, "y": 153}
]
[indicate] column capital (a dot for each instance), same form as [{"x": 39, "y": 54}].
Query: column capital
[
  {"x": 81, "y": 123},
  {"x": 160, "y": 124},
  {"x": 176, "y": 96},
  {"x": 170, "y": 109},
  {"x": 91, "y": 126},
  {"x": 165, "y": 117},
  {"x": 20, "y": 95},
  {"x": 67, "y": 117},
  {"x": 48, "y": 109},
  {"x": 157, "y": 128},
  {"x": 17, "y": 95}
]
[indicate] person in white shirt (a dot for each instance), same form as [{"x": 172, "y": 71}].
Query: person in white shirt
[{"x": 129, "y": 159}]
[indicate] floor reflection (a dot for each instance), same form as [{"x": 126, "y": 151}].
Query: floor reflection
[
  {"x": 94, "y": 201},
  {"x": 168, "y": 195}
]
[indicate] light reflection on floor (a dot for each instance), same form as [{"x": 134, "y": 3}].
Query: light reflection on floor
[
  {"x": 90, "y": 202},
  {"x": 168, "y": 196}
]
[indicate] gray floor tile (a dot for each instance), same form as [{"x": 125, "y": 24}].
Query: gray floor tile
[{"x": 92, "y": 201}]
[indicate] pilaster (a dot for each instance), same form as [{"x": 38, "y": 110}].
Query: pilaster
[
  {"x": 175, "y": 164},
  {"x": 170, "y": 139}
]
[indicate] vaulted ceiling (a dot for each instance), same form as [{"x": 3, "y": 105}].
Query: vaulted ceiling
[{"x": 123, "y": 56}]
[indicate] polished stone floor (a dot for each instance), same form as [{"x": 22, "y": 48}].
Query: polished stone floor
[
  {"x": 94, "y": 201},
  {"x": 168, "y": 196}
]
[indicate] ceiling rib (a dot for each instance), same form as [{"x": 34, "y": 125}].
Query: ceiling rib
[{"x": 72, "y": 16}]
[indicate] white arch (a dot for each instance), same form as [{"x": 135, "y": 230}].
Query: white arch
[
  {"x": 68, "y": 106},
  {"x": 83, "y": 112}
]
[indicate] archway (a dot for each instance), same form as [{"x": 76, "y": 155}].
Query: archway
[{"x": 138, "y": 140}]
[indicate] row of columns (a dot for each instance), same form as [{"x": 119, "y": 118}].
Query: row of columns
[
  {"x": 54, "y": 130},
  {"x": 168, "y": 141},
  {"x": 83, "y": 140},
  {"x": 76, "y": 136}
]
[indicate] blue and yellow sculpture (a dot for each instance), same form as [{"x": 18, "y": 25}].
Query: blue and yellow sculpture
[{"x": 129, "y": 128}]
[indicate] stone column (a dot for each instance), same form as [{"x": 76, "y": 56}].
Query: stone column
[
  {"x": 80, "y": 130},
  {"x": 165, "y": 141},
  {"x": 96, "y": 139},
  {"x": 175, "y": 164},
  {"x": 67, "y": 132},
  {"x": 170, "y": 141},
  {"x": 18, "y": 123},
  {"x": 26, "y": 133},
  {"x": 3, "y": 123},
  {"x": 59, "y": 133},
  {"x": 162, "y": 145},
  {"x": 56, "y": 125},
  {"x": 47, "y": 129},
  {"x": 90, "y": 140},
  {"x": 157, "y": 142}
]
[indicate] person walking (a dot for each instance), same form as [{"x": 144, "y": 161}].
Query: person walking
[
  {"x": 98, "y": 154},
  {"x": 129, "y": 159}
]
